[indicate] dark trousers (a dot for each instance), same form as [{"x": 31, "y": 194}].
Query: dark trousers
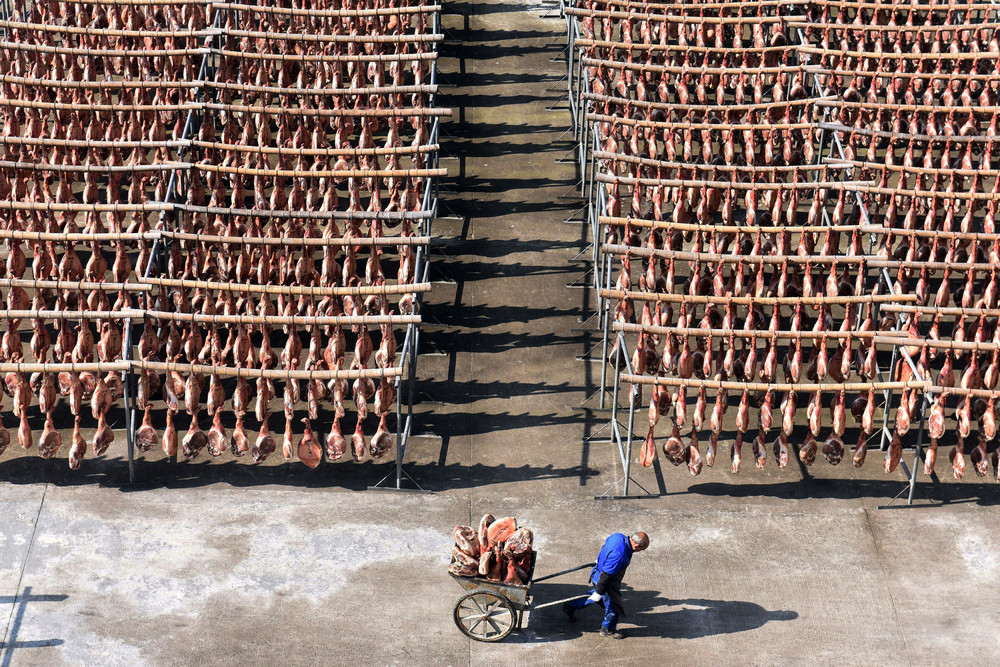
[{"x": 610, "y": 614}]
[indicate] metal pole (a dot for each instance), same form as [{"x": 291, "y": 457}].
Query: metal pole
[
  {"x": 400, "y": 444},
  {"x": 618, "y": 365},
  {"x": 886, "y": 279},
  {"x": 605, "y": 305},
  {"x": 631, "y": 425},
  {"x": 887, "y": 403},
  {"x": 569, "y": 77},
  {"x": 916, "y": 450},
  {"x": 411, "y": 381},
  {"x": 129, "y": 426},
  {"x": 583, "y": 149},
  {"x": 595, "y": 207}
]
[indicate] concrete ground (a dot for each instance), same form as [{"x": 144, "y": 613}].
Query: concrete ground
[{"x": 236, "y": 564}]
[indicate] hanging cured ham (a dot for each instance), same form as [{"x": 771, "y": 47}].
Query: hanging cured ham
[
  {"x": 186, "y": 238},
  {"x": 747, "y": 253}
]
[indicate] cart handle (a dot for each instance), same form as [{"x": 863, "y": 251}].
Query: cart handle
[
  {"x": 559, "y": 574},
  {"x": 563, "y": 601}
]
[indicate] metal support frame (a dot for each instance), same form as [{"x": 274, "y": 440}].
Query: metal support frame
[
  {"x": 624, "y": 448},
  {"x": 898, "y": 352},
  {"x": 156, "y": 255},
  {"x": 411, "y": 341},
  {"x": 588, "y": 143},
  {"x": 603, "y": 268}
]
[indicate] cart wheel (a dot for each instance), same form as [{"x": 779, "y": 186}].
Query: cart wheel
[{"x": 485, "y": 617}]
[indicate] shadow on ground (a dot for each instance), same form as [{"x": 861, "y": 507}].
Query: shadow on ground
[
  {"x": 164, "y": 473},
  {"x": 648, "y": 614}
]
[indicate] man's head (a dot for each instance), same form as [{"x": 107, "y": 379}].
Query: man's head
[{"x": 639, "y": 541}]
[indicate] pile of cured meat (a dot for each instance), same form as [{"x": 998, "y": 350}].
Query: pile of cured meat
[
  {"x": 795, "y": 213},
  {"x": 498, "y": 550},
  {"x": 220, "y": 206}
]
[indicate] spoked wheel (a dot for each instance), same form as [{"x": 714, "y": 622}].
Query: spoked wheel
[{"x": 485, "y": 617}]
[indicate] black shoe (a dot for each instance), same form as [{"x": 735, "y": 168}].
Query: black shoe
[
  {"x": 613, "y": 634},
  {"x": 570, "y": 612}
]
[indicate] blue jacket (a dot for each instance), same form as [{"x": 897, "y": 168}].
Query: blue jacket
[
  {"x": 614, "y": 558},
  {"x": 612, "y": 562}
]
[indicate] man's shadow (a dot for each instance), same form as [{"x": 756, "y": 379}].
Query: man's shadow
[
  {"x": 694, "y": 618},
  {"x": 649, "y": 613}
]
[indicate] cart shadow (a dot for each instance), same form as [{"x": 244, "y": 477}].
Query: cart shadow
[{"x": 691, "y": 618}]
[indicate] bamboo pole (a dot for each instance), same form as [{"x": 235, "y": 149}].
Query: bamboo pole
[
  {"x": 137, "y": 3},
  {"x": 76, "y": 237},
  {"x": 686, "y": 69},
  {"x": 977, "y": 237},
  {"x": 66, "y": 367},
  {"x": 949, "y": 311},
  {"x": 892, "y": 55},
  {"x": 202, "y": 318},
  {"x": 668, "y": 18},
  {"x": 315, "y": 242},
  {"x": 735, "y": 185},
  {"x": 102, "y": 53},
  {"x": 903, "y": 192},
  {"x": 78, "y": 285},
  {"x": 591, "y": 43},
  {"x": 876, "y": 27},
  {"x": 730, "y": 385},
  {"x": 96, "y": 168},
  {"x": 327, "y": 57},
  {"x": 872, "y": 261},
  {"x": 724, "y": 168},
  {"x": 271, "y": 373},
  {"x": 723, "y": 229},
  {"x": 327, "y": 92},
  {"x": 361, "y": 38},
  {"x": 306, "y": 215},
  {"x": 763, "y": 334},
  {"x": 108, "y": 32},
  {"x": 55, "y": 207},
  {"x": 687, "y": 256},
  {"x": 282, "y": 320},
  {"x": 868, "y": 74},
  {"x": 759, "y": 301},
  {"x": 351, "y": 152},
  {"x": 87, "y": 143},
  {"x": 905, "y": 5},
  {"x": 101, "y": 84},
  {"x": 411, "y": 112},
  {"x": 298, "y": 290},
  {"x": 664, "y": 125},
  {"x": 902, "y": 136},
  {"x": 319, "y": 173},
  {"x": 959, "y": 391},
  {"x": 721, "y": 108},
  {"x": 48, "y": 314},
  {"x": 633, "y": 5},
  {"x": 331, "y": 13},
  {"x": 693, "y": 125},
  {"x": 898, "y": 168},
  {"x": 937, "y": 344},
  {"x": 117, "y": 107}
]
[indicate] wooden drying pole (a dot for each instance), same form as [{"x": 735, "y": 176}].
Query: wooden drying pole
[
  {"x": 798, "y": 387},
  {"x": 297, "y": 290},
  {"x": 760, "y": 301},
  {"x": 328, "y": 13},
  {"x": 722, "y": 229}
]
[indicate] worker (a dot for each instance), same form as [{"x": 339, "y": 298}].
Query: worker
[{"x": 615, "y": 556}]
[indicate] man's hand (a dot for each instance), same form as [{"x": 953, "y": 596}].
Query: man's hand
[{"x": 595, "y": 597}]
